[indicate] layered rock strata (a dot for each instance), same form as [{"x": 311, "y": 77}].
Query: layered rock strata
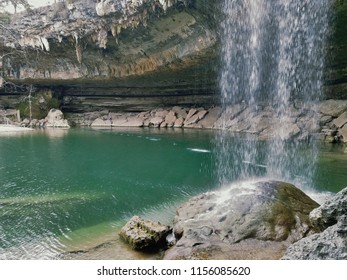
[{"x": 119, "y": 55}]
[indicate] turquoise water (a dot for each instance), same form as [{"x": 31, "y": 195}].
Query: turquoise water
[
  {"x": 56, "y": 184},
  {"x": 60, "y": 188}
]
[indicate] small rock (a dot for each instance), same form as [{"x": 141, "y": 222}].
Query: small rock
[
  {"x": 105, "y": 7},
  {"x": 134, "y": 122},
  {"x": 170, "y": 118},
  {"x": 193, "y": 120},
  {"x": 179, "y": 122},
  {"x": 119, "y": 121},
  {"x": 146, "y": 122},
  {"x": 290, "y": 130},
  {"x": 329, "y": 132},
  {"x": 145, "y": 235},
  {"x": 343, "y": 133},
  {"x": 191, "y": 113},
  {"x": 230, "y": 113},
  {"x": 163, "y": 124},
  {"x": 34, "y": 123},
  {"x": 25, "y": 122},
  {"x": 202, "y": 114},
  {"x": 143, "y": 115},
  {"x": 211, "y": 117},
  {"x": 101, "y": 123},
  {"x": 180, "y": 112},
  {"x": 341, "y": 120},
  {"x": 156, "y": 121},
  {"x": 161, "y": 113},
  {"x": 333, "y": 108},
  {"x": 324, "y": 120}
]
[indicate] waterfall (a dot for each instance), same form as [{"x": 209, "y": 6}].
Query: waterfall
[{"x": 272, "y": 60}]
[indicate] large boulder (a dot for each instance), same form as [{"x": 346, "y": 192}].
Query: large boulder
[
  {"x": 331, "y": 243},
  {"x": 250, "y": 220},
  {"x": 55, "y": 118},
  {"x": 144, "y": 235}
]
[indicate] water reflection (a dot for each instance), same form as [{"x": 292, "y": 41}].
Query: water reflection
[{"x": 56, "y": 132}]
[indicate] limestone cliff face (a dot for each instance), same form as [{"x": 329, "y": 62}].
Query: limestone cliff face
[
  {"x": 130, "y": 55},
  {"x": 125, "y": 55}
]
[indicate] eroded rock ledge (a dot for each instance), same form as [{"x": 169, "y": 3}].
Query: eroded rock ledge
[{"x": 125, "y": 55}]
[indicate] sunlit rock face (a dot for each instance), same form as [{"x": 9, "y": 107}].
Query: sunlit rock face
[{"x": 136, "y": 54}]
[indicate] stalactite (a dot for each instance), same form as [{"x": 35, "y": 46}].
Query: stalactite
[
  {"x": 79, "y": 52},
  {"x": 102, "y": 38}
]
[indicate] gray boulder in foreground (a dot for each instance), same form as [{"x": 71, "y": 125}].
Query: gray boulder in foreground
[
  {"x": 144, "y": 235},
  {"x": 331, "y": 244},
  {"x": 252, "y": 220}
]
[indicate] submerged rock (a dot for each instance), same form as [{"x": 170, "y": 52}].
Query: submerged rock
[
  {"x": 251, "y": 220},
  {"x": 144, "y": 235},
  {"x": 331, "y": 218}
]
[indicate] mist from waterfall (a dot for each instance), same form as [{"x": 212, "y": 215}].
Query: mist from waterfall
[{"x": 272, "y": 61}]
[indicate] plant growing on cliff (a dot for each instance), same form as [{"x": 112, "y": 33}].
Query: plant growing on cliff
[{"x": 38, "y": 106}]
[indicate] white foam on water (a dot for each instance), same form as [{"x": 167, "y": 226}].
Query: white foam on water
[
  {"x": 153, "y": 139},
  {"x": 197, "y": 150}
]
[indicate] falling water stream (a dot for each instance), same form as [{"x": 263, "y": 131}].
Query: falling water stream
[{"x": 272, "y": 62}]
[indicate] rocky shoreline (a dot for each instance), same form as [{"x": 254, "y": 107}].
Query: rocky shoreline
[
  {"x": 255, "y": 220},
  {"x": 252, "y": 221},
  {"x": 326, "y": 121}
]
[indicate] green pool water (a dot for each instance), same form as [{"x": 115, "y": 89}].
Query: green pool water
[{"x": 63, "y": 189}]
